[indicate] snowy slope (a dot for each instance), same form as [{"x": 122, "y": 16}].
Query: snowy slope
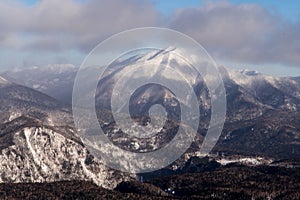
[
  {"x": 34, "y": 153},
  {"x": 38, "y": 141}
]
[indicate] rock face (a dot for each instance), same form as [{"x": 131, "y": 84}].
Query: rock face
[{"x": 38, "y": 142}]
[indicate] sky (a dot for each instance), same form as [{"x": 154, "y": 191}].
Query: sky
[{"x": 257, "y": 35}]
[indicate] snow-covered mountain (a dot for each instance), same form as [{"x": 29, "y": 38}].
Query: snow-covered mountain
[
  {"x": 54, "y": 80},
  {"x": 38, "y": 142},
  {"x": 274, "y": 92},
  {"x": 263, "y": 112},
  {"x": 17, "y": 100},
  {"x": 250, "y": 86}
]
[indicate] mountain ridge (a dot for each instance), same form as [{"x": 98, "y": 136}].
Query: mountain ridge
[{"x": 262, "y": 119}]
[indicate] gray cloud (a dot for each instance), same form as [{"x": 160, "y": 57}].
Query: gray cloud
[
  {"x": 283, "y": 45},
  {"x": 244, "y": 33},
  {"x": 54, "y": 25}
]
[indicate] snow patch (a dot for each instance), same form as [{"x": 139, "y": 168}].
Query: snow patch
[
  {"x": 244, "y": 160},
  {"x": 14, "y": 115}
]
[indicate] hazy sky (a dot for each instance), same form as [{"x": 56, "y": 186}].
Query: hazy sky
[{"x": 261, "y": 35}]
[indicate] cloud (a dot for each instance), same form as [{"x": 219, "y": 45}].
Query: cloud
[
  {"x": 244, "y": 33},
  {"x": 283, "y": 45},
  {"x": 57, "y": 25},
  {"x": 241, "y": 33}
]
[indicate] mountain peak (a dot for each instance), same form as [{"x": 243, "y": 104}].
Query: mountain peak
[{"x": 157, "y": 53}]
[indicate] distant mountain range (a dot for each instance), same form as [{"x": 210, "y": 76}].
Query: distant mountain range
[
  {"x": 38, "y": 140},
  {"x": 54, "y": 80}
]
